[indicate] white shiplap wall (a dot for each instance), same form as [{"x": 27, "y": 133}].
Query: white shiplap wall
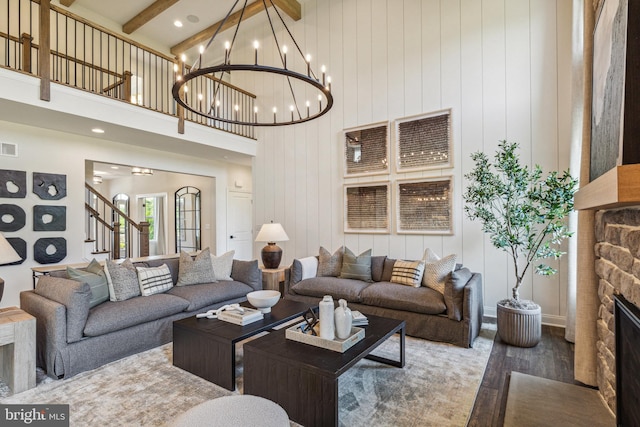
[{"x": 502, "y": 66}]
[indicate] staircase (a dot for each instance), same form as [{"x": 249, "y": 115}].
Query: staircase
[{"x": 103, "y": 230}]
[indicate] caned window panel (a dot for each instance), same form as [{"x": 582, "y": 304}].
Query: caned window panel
[
  {"x": 367, "y": 208},
  {"x": 366, "y": 150},
  {"x": 424, "y": 142},
  {"x": 425, "y": 206}
]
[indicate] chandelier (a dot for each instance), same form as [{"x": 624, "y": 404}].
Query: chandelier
[{"x": 306, "y": 95}]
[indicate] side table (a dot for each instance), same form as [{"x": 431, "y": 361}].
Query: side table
[
  {"x": 18, "y": 349},
  {"x": 272, "y": 278}
]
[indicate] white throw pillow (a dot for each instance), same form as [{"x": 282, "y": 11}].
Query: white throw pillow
[
  {"x": 436, "y": 270},
  {"x": 309, "y": 267},
  {"x": 222, "y": 265}
]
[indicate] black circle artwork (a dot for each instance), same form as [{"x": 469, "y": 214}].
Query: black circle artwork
[
  {"x": 18, "y": 215},
  {"x": 58, "y": 216},
  {"x": 40, "y": 250}
]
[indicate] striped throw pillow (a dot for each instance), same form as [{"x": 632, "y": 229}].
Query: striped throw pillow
[
  {"x": 154, "y": 280},
  {"x": 408, "y": 273}
]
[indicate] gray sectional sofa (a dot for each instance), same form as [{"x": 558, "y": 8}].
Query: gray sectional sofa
[
  {"x": 455, "y": 317},
  {"x": 72, "y": 337}
]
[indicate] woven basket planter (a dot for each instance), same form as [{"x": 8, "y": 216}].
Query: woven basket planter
[{"x": 520, "y": 327}]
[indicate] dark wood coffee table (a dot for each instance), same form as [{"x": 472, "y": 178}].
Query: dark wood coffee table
[
  {"x": 206, "y": 347},
  {"x": 303, "y": 379}
]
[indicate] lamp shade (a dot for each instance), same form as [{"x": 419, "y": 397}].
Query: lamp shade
[
  {"x": 272, "y": 233},
  {"x": 8, "y": 255}
]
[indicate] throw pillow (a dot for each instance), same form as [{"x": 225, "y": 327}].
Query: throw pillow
[
  {"x": 222, "y": 265},
  {"x": 309, "y": 267},
  {"x": 195, "y": 271},
  {"x": 435, "y": 272},
  {"x": 430, "y": 256},
  {"x": 356, "y": 267},
  {"x": 454, "y": 292},
  {"x": 330, "y": 265},
  {"x": 97, "y": 281},
  {"x": 122, "y": 280},
  {"x": 408, "y": 273},
  {"x": 154, "y": 280}
]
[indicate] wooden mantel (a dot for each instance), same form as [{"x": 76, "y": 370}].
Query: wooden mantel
[{"x": 617, "y": 188}]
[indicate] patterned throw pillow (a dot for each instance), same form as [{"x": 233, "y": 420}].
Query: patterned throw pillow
[
  {"x": 222, "y": 265},
  {"x": 330, "y": 265},
  {"x": 154, "y": 280},
  {"x": 436, "y": 271},
  {"x": 195, "y": 271},
  {"x": 356, "y": 267},
  {"x": 122, "y": 280},
  {"x": 408, "y": 273},
  {"x": 95, "y": 277}
]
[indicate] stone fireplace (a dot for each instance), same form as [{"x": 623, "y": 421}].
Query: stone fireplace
[{"x": 617, "y": 266}]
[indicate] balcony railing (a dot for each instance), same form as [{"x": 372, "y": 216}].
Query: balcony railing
[{"x": 89, "y": 57}]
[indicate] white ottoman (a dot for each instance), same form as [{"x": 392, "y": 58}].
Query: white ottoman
[{"x": 231, "y": 411}]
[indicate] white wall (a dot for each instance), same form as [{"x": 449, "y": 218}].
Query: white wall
[
  {"x": 42, "y": 150},
  {"x": 503, "y": 66}
]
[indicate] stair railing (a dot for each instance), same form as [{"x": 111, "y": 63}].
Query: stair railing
[{"x": 105, "y": 235}]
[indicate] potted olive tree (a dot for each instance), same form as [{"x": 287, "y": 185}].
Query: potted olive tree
[{"x": 524, "y": 215}]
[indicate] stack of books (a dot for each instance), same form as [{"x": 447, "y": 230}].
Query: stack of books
[
  {"x": 359, "y": 319},
  {"x": 249, "y": 315}
]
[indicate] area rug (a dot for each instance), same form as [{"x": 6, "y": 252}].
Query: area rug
[{"x": 437, "y": 387}]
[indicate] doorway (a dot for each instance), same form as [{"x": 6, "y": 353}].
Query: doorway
[
  {"x": 240, "y": 224},
  {"x": 152, "y": 208}
]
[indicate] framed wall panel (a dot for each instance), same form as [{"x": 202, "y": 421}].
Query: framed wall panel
[
  {"x": 424, "y": 142},
  {"x": 367, "y": 208},
  {"x": 424, "y": 206},
  {"x": 366, "y": 150}
]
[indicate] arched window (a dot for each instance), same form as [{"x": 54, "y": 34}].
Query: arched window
[{"x": 188, "y": 219}]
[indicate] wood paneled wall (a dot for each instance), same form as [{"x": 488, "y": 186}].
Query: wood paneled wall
[{"x": 502, "y": 66}]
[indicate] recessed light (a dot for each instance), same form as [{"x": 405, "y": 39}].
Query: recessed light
[
  {"x": 115, "y": 167},
  {"x": 193, "y": 19},
  {"x": 177, "y": 23},
  {"x": 97, "y": 130}
]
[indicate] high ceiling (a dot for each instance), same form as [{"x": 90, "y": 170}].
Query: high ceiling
[{"x": 154, "y": 19}]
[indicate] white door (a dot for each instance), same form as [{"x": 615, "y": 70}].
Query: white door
[{"x": 240, "y": 224}]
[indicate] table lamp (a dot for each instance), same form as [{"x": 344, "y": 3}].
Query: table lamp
[
  {"x": 8, "y": 255},
  {"x": 272, "y": 253}
]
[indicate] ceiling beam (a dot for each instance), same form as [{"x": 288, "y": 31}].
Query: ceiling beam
[
  {"x": 153, "y": 10},
  {"x": 288, "y": 6},
  {"x": 66, "y": 3}
]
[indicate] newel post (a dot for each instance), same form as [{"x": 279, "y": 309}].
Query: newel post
[
  {"x": 115, "y": 248},
  {"x": 26, "y": 40},
  {"x": 44, "y": 52},
  {"x": 144, "y": 238}
]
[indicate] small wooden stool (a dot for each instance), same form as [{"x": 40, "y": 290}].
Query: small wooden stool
[{"x": 17, "y": 349}]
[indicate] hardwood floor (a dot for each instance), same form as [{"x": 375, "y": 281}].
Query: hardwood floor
[{"x": 552, "y": 358}]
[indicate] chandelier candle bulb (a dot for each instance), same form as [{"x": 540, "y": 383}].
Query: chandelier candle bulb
[
  {"x": 227, "y": 46},
  {"x": 256, "y": 45},
  {"x": 320, "y": 102},
  {"x": 275, "y": 110},
  {"x": 200, "y": 58},
  {"x": 183, "y": 59},
  {"x": 308, "y": 58},
  {"x": 324, "y": 70},
  {"x": 291, "y": 109},
  {"x": 329, "y": 83},
  {"x": 308, "y": 105},
  {"x": 255, "y": 114},
  {"x": 200, "y": 97},
  {"x": 284, "y": 56}
]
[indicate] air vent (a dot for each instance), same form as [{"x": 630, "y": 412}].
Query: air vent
[{"x": 8, "y": 149}]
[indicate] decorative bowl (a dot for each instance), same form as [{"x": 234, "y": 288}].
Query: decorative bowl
[{"x": 263, "y": 300}]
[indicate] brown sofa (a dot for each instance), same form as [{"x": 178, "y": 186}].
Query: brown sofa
[{"x": 455, "y": 317}]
